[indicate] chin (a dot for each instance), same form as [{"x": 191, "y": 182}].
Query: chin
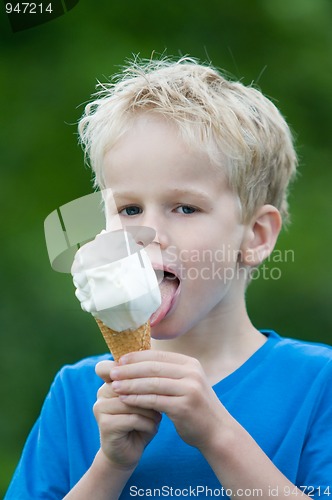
[
  {"x": 169, "y": 329},
  {"x": 163, "y": 334}
]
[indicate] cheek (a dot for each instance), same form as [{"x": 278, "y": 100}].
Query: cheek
[
  {"x": 204, "y": 251},
  {"x": 208, "y": 267},
  {"x": 202, "y": 270}
]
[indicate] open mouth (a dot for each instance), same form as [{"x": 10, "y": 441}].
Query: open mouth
[
  {"x": 163, "y": 274},
  {"x": 169, "y": 285}
]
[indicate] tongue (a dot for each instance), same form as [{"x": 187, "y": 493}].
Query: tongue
[{"x": 167, "y": 288}]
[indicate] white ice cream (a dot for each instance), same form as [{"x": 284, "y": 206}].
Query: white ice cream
[{"x": 115, "y": 281}]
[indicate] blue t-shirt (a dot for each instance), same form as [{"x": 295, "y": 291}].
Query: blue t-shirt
[{"x": 282, "y": 395}]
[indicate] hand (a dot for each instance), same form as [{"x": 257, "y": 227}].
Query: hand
[
  {"x": 124, "y": 430},
  {"x": 174, "y": 384}
]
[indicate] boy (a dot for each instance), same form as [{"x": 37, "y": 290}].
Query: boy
[{"x": 216, "y": 408}]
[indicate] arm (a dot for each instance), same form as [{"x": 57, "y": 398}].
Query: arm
[
  {"x": 52, "y": 460},
  {"x": 176, "y": 384},
  {"x": 124, "y": 433},
  {"x": 242, "y": 466},
  {"x": 103, "y": 481}
]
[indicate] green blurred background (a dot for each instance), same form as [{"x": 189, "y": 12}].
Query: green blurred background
[{"x": 47, "y": 71}]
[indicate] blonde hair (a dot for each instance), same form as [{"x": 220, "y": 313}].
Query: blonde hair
[{"x": 239, "y": 128}]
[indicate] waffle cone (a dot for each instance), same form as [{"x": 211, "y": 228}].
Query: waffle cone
[{"x": 120, "y": 343}]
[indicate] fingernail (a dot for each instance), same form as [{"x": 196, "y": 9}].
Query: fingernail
[{"x": 116, "y": 385}]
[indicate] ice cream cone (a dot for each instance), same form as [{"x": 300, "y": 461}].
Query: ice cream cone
[{"x": 120, "y": 343}]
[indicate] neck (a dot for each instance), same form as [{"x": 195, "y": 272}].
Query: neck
[{"x": 222, "y": 342}]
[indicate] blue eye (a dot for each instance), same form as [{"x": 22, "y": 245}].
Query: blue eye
[
  {"x": 131, "y": 210},
  {"x": 186, "y": 209}
]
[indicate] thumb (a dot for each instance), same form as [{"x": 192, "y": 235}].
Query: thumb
[{"x": 103, "y": 370}]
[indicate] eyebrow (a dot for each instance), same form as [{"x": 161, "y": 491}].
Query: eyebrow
[
  {"x": 171, "y": 192},
  {"x": 190, "y": 192}
]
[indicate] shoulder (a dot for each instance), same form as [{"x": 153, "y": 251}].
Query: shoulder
[
  {"x": 305, "y": 351},
  {"x": 300, "y": 356},
  {"x": 80, "y": 374},
  {"x": 84, "y": 365}
]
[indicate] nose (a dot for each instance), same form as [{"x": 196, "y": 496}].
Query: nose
[
  {"x": 151, "y": 232},
  {"x": 160, "y": 227},
  {"x": 161, "y": 239},
  {"x": 142, "y": 235}
]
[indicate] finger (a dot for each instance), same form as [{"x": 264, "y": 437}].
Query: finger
[
  {"x": 117, "y": 407},
  {"x": 146, "y": 369},
  {"x": 152, "y": 355},
  {"x": 106, "y": 391},
  {"x": 127, "y": 423},
  {"x": 103, "y": 370},
  {"x": 153, "y": 368},
  {"x": 156, "y": 402},
  {"x": 153, "y": 385}
]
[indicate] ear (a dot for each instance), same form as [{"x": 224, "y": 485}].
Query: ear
[{"x": 261, "y": 235}]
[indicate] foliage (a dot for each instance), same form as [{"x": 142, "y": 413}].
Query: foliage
[{"x": 47, "y": 71}]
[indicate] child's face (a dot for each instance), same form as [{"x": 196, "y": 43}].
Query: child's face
[{"x": 159, "y": 182}]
